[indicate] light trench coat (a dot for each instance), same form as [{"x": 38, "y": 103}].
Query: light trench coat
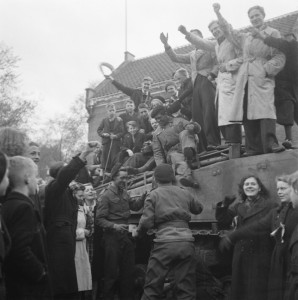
[
  {"x": 83, "y": 268},
  {"x": 260, "y": 64},
  {"x": 229, "y": 56}
]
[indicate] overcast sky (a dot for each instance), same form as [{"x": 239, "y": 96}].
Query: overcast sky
[{"x": 61, "y": 42}]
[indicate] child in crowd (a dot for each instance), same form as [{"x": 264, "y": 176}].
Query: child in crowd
[
  {"x": 130, "y": 114},
  {"x": 132, "y": 143},
  {"x": 144, "y": 118},
  {"x": 134, "y": 139},
  {"x": 26, "y": 268},
  {"x": 111, "y": 130}
]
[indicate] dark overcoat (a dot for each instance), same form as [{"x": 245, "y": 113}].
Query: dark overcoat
[
  {"x": 292, "y": 292},
  {"x": 280, "y": 261},
  {"x": 27, "y": 260},
  {"x": 251, "y": 258},
  {"x": 61, "y": 219}
]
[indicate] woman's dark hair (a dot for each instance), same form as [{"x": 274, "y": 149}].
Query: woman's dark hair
[{"x": 263, "y": 192}]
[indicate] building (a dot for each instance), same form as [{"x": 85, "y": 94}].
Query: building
[{"x": 131, "y": 72}]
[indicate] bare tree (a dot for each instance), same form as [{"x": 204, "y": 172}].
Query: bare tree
[
  {"x": 67, "y": 131},
  {"x": 14, "y": 109}
]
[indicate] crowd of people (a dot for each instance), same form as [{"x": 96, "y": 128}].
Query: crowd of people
[{"x": 60, "y": 239}]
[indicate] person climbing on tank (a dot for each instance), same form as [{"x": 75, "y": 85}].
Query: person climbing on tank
[
  {"x": 168, "y": 209},
  {"x": 174, "y": 141}
]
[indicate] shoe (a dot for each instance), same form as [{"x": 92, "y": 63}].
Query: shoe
[
  {"x": 277, "y": 148},
  {"x": 211, "y": 148},
  {"x": 287, "y": 144},
  {"x": 188, "y": 183}
]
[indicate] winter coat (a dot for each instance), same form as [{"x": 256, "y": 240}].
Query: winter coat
[
  {"x": 136, "y": 95},
  {"x": 27, "y": 260},
  {"x": 260, "y": 64},
  {"x": 61, "y": 210},
  {"x": 251, "y": 258},
  {"x": 167, "y": 139},
  {"x": 135, "y": 143},
  {"x": 227, "y": 54},
  {"x": 280, "y": 261}
]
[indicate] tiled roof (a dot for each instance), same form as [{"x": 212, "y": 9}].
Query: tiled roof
[
  {"x": 160, "y": 67},
  {"x": 131, "y": 73}
]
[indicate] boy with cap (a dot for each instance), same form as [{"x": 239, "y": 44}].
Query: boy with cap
[
  {"x": 168, "y": 209},
  {"x": 26, "y": 264}
]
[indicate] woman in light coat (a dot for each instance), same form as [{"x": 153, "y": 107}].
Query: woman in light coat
[
  {"x": 253, "y": 101},
  {"x": 83, "y": 268}
]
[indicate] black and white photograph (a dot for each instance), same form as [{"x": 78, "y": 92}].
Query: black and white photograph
[{"x": 148, "y": 150}]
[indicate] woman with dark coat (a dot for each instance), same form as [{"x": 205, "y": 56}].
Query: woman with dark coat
[
  {"x": 251, "y": 258},
  {"x": 61, "y": 210},
  {"x": 280, "y": 224}
]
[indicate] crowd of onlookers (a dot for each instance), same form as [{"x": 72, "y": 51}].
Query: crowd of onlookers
[{"x": 61, "y": 240}]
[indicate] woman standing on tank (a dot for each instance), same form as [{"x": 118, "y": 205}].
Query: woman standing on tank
[{"x": 251, "y": 258}]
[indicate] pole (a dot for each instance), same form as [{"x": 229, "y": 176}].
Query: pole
[{"x": 125, "y": 25}]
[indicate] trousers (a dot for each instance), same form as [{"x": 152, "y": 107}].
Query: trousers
[
  {"x": 204, "y": 112},
  {"x": 178, "y": 257},
  {"x": 119, "y": 265}
]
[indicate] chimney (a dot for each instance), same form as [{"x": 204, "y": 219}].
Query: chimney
[
  {"x": 89, "y": 101},
  {"x": 128, "y": 56},
  {"x": 89, "y": 93}
]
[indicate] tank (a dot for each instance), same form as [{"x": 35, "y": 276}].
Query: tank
[{"x": 218, "y": 177}]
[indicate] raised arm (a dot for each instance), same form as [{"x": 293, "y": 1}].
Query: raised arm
[
  {"x": 69, "y": 172},
  {"x": 179, "y": 58},
  {"x": 235, "y": 37},
  {"x": 125, "y": 89},
  {"x": 200, "y": 43}
]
